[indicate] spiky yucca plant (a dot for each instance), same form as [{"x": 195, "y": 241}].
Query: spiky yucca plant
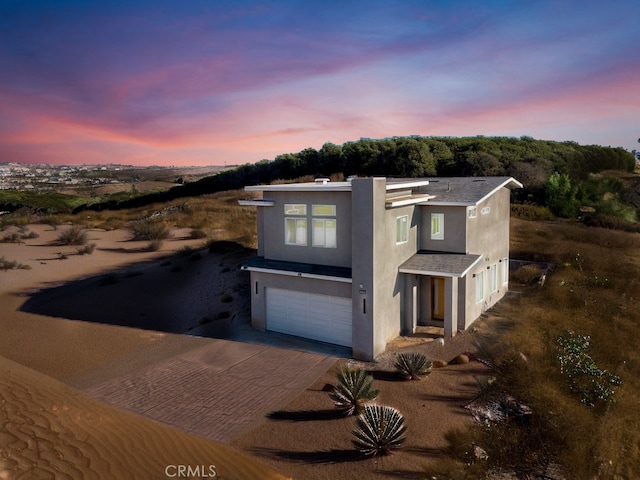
[
  {"x": 379, "y": 430},
  {"x": 354, "y": 390},
  {"x": 413, "y": 365}
]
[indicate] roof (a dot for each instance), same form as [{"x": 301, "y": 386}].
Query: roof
[
  {"x": 432, "y": 190},
  {"x": 466, "y": 190},
  {"x": 261, "y": 264},
  {"x": 442, "y": 264}
]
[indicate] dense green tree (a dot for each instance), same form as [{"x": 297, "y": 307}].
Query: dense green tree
[{"x": 560, "y": 195}]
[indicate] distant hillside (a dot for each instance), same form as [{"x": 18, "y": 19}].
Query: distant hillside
[{"x": 530, "y": 161}]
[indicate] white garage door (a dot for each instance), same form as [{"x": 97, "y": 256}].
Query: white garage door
[{"x": 309, "y": 315}]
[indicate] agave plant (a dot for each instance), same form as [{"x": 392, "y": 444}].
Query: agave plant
[
  {"x": 379, "y": 430},
  {"x": 354, "y": 390},
  {"x": 413, "y": 365}
]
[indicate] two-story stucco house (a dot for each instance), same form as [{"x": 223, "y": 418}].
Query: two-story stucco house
[{"x": 358, "y": 263}]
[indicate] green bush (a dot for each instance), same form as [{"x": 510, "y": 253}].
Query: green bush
[
  {"x": 380, "y": 429},
  {"x": 353, "y": 391},
  {"x": 413, "y": 365},
  {"x": 531, "y": 212}
]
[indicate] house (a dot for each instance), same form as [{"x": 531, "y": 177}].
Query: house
[{"x": 358, "y": 263}]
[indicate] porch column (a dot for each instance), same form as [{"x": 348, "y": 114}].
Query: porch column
[
  {"x": 451, "y": 306},
  {"x": 410, "y": 307}
]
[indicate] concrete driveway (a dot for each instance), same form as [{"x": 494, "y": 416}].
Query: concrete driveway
[{"x": 215, "y": 391}]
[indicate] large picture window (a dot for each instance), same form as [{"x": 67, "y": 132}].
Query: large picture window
[
  {"x": 437, "y": 226},
  {"x": 402, "y": 229},
  {"x": 295, "y": 231}
]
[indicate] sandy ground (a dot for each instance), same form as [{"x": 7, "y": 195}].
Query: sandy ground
[
  {"x": 86, "y": 319},
  {"x": 49, "y": 429}
]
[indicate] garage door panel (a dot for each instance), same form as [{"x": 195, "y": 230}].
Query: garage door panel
[{"x": 319, "y": 317}]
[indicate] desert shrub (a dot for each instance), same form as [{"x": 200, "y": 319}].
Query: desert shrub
[
  {"x": 30, "y": 235},
  {"x": 585, "y": 378},
  {"x": 12, "y": 265},
  {"x": 13, "y": 237},
  {"x": 87, "y": 249},
  {"x": 74, "y": 235},
  {"x": 149, "y": 230},
  {"x": 379, "y": 430},
  {"x": 527, "y": 274},
  {"x": 185, "y": 251},
  {"x": 413, "y": 365},
  {"x": 531, "y": 212},
  {"x": 154, "y": 245},
  {"x": 197, "y": 233},
  {"x": 353, "y": 391}
]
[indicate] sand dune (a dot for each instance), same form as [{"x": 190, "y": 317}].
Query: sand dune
[{"x": 50, "y": 430}]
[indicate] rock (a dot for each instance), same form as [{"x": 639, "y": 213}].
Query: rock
[
  {"x": 439, "y": 363},
  {"x": 460, "y": 359}
]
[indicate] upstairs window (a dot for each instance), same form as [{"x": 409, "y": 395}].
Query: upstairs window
[
  {"x": 323, "y": 210},
  {"x": 295, "y": 231},
  {"x": 402, "y": 229},
  {"x": 295, "y": 227},
  {"x": 472, "y": 212},
  {"x": 324, "y": 233},
  {"x": 485, "y": 210},
  {"x": 324, "y": 229},
  {"x": 295, "y": 209},
  {"x": 437, "y": 226}
]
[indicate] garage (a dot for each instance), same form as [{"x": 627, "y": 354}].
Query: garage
[{"x": 310, "y": 315}]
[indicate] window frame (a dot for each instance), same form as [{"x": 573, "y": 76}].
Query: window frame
[
  {"x": 315, "y": 210},
  {"x": 472, "y": 212},
  {"x": 437, "y": 220},
  {"x": 296, "y": 220},
  {"x": 479, "y": 287},
  {"x": 493, "y": 278},
  {"x": 324, "y": 244},
  {"x": 291, "y": 209},
  {"x": 402, "y": 229}
]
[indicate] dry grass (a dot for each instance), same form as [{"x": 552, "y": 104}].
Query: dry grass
[{"x": 594, "y": 290}]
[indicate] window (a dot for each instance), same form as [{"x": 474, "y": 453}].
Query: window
[
  {"x": 493, "y": 278},
  {"x": 485, "y": 210},
  {"x": 437, "y": 226},
  {"x": 295, "y": 231},
  {"x": 295, "y": 209},
  {"x": 295, "y": 228},
  {"x": 505, "y": 270},
  {"x": 323, "y": 210},
  {"x": 472, "y": 212},
  {"x": 479, "y": 287},
  {"x": 402, "y": 229},
  {"x": 324, "y": 233}
]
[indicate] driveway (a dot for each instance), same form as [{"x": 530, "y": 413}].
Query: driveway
[{"x": 216, "y": 391}]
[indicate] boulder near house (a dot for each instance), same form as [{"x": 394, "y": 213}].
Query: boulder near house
[{"x": 358, "y": 263}]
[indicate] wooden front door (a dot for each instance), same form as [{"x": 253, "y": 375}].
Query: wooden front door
[{"x": 437, "y": 298}]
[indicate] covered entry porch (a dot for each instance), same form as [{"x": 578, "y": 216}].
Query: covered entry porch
[{"x": 435, "y": 290}]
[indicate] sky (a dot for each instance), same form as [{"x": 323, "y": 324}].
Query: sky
[{"x": 215, "y": 82}]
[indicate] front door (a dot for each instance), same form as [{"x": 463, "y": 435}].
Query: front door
[{"x": 437, "y": 298}]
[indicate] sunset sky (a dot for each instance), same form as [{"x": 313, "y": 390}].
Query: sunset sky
[{"x": 186, "y": 82}]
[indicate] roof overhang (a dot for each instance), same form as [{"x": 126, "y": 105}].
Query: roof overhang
[
  {"x": 256, "y": 203},
  {"x": 298, "y": 269},
  {"x": 440, "y": 264}
]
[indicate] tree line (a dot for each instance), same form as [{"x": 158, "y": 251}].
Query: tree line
[{"x": 529, "y": 160}]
